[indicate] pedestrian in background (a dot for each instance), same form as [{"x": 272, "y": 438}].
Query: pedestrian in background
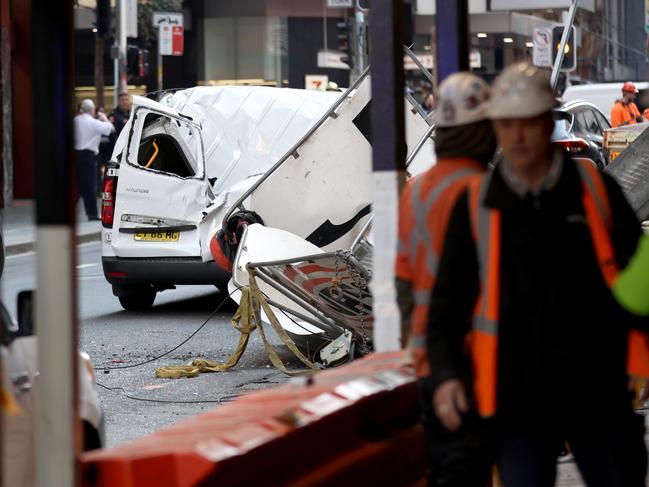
[
  {"x": 88, "y": 131},
  {"x": 625, "y": 111},
  {"x": 531, "y": 253},
  {"x": 464, "y": 144},
  {"x": 118, "y": 117}
]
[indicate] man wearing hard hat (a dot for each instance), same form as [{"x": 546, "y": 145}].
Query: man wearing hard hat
[
  {"x": 625, "y": 111},
  {"x": 531, "y": 252},
  {"x": 464, "y": 144}
]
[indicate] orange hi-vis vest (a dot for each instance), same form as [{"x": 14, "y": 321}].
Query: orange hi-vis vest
[
  {"x": 424, "y": 210},
  {"x": 486, "y": 228},
  {"x": 624, "y": 114}
]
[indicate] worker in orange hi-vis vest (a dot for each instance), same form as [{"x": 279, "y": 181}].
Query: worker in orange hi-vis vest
[
  {"x": 464, "y": 144},
  {"x": 625, "y": 111},
  {"x": 531, "y": 254}
]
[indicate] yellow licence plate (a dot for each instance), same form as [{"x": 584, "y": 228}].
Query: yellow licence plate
[{"x": 157, "y": 236}]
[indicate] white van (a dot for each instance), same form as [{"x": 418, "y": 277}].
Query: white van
[
  {"x": 603, "y": 95},
  {"x": 179, "y": 166}
]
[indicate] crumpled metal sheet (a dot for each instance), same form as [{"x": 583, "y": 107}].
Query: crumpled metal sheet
[{"x": 631, "y": 170}]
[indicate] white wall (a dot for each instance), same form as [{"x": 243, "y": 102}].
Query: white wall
[
  {"x": 427, "y": 7},
  {"x": 538, "y": 4}
]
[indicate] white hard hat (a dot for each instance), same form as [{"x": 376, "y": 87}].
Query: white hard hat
[
  {"x": 521, "y": 91},
  {"x": 462, "y": 99},
  {"x": 87, "y": 105}
]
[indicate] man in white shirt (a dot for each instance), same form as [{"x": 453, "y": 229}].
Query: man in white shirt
[{"x": 87, "y": 136}]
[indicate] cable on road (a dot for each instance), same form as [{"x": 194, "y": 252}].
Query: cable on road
[
  {"x": 220, "y": 400},
  {"x": 130, "y": 366}
]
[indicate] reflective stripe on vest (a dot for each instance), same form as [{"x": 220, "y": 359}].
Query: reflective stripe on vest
[
  {"x": 486, "y": 228},
  {"x": 420, "y": 209},
  {"x": 421, "y": 243},
  {"x": 598, "y": 213}
]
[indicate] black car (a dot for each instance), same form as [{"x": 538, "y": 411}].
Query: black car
[{"x": 578, "y": 127}]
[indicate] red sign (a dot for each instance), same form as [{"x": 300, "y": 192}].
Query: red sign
[{"x": 177, "y": 42}]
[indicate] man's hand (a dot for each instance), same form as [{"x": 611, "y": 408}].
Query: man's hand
[
  {"x": 102, "y": 116},
  {"x": 449, "y": 402}
]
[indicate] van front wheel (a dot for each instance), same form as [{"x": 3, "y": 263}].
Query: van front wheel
[{"x": 138, "y": 302}]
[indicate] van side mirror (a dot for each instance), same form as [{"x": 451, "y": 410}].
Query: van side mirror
[{"x": 25, "y": 307}]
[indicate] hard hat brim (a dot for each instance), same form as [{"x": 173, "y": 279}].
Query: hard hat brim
[{"x": 497, "y": 111}]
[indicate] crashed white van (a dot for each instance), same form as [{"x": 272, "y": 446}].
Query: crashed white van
[{"x": 180, "y": 164}]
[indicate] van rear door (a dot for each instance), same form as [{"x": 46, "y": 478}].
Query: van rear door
[{"x": 162, "y": 187}]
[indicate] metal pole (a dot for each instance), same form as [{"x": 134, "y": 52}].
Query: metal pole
[
  {"x": 389, "y": 157},
  {"x": 123, "y": 85},
  {"x": 452, "y": 25},
  {"x": 562, "y": 46},
  {"x": 6, "y": 144},
  {"x": 159, "y": 67},
  {"x": 99, "y": 70},
  {"x": 58, "y": 428}
]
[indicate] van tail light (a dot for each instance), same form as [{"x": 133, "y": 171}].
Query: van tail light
[
  {"x": 572, "y": 145},
  {"x": 108, "y": 201}
]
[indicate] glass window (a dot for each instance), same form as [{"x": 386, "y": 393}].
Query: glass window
[
  {"x": 603, "y": 123},
  {"x": 580, "y": 125},
  {"x": 168, "y": 145},
  {"x": 590, "y": 122}
]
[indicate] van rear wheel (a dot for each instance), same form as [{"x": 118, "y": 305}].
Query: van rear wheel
[{"x": 138, "y": 302}]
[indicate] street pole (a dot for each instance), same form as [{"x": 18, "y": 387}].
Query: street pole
[
  {"x": 99, "y": 70},
  {"x": 389, "y": 156},
  {"x": 57, "y": 425},
  {"x": 115, "y": 54},
  {"x": 554, "y": 78},
  {"x": 123, "y": 85},
  {"x": 360, "y": 43},
  {"x": 159, "y": 66},
  {"x": 6, "y": 171}
]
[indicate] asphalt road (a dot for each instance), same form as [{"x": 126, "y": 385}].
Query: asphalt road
[{"x": 116, "y": 338}]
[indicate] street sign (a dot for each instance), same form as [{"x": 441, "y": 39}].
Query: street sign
[
  {"x": 646, "y": 16},
  {"x": 177, "y": 43},
  {"x": 169, "y": 18},
  {"x": 332, "y": 59},
  {"x": 475, "y": 60},
  {"x": 542, "y": 52},
  {"x": 165, "y": 40},
  {"x": 316, "y": 82},
  {"x": 170, "y": 33},
  {"x": 340, "y": 3}
]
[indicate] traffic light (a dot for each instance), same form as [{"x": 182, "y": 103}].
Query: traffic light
[
  {"x": 103, "y": 18},
  {"x": 570, "y": 51},
  {"x": 137, "y": 61},
  {"x": 144, "y": 62},
  {"x": 345, "y": 42}
]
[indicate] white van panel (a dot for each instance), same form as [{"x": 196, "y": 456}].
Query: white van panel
[{"x": 246, "y": 129}]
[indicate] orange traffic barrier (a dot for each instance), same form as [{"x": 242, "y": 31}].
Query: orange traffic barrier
[{"x": 353, "y": 422}]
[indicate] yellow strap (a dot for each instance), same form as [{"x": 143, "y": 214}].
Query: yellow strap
[
  {"x": 245, "y": 319},
  {"x": 257, "y": 298},
  {"x": 242, "y": 322}
]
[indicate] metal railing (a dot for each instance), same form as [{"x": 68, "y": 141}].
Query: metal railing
[
  {"x": 331, "y": 113},
  {"x": 293, "y": 150}
]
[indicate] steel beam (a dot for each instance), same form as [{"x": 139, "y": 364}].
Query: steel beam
[
  {"x": 58, "y": 429},
  {"x": 389, "y": 157}
]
